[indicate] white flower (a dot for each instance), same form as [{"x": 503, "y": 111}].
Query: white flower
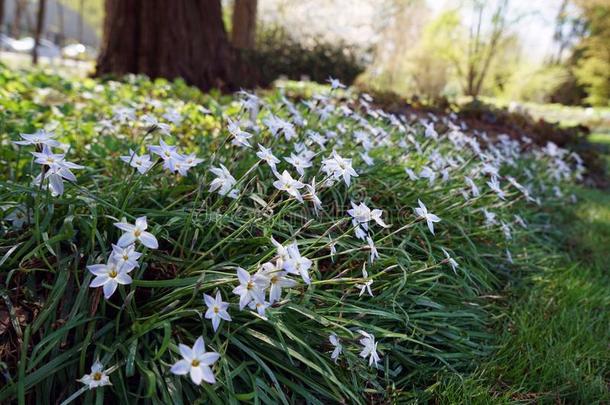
[
  {"x": 335, "y": 83},
  {"x": 286, "y": 183},
  {"x": 109, "y": 276},
  {"x": 506, "y": 230},
  {"x": 430, "y": 132},
  {"x": 317, "y": 138},
  {"x": 369, "y": 348},
  {"x": 240, "y": 138},
  {"x": 217, "y": 309},
  {"x": 411, "y": 174},
  {"x": 367, "y": 159},
  {"x": 282, "y": 252},
  {"x": 183, "y": 163},
  {"x": 124, "y": 114},
  {"x": 277, "y": 280},
  {"x": 224, "y": 182},
  {"x": 454, "y": 265},
  {"x": 366, "y": 287},
  {"x": 18, "y": 216},
  {"x": 490, "y": 218},
  {"x": 422, "y": 212},
  {"x": 374, "y": 253},
  {"x": 520, "y": 221},
  {"x": 297, "y": 264},
  {"x": 250, "y": 288},
  {"x": 473, "y": 187},
  {"x": 338, "y": 348},
  {"x": 362, "y": 215},
  {"x": 494, "y": 184},
  {"x": 277, "y": 125},
  {"x": 57, "y": 170},
  {"x": 141, "y": 163},
  {"x": 312, "y": 196},
  {"x": 40, "y": 137},
  {"x": 136, "y": 232},
  {"x": 173, "y": 116},
  {"x": 105, "y": 125},
  {"x": 196, "y": 362},
  {"x": 97, "y": 378},
  {"x": 299, "y": 162},
  {"x": 125, "y": 255},
  {"x": 259, "y": 307},
  {"x": 267, "y": 155},
  {"x": 427, "y": 173},
  {"x": 338, "y": 167},
  {"x": 165, "y": 152},
  {"x": 152, "y": 122}
]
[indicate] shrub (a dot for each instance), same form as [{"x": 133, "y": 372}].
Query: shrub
[{"x": 278, "y": 54}]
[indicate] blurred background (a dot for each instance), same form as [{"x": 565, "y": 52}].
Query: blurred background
[{"x": 550, "y": 58}]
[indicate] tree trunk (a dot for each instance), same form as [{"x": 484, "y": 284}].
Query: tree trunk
[
  {"x": 1, "y": 14},
  {"x": 16, "y": 29},
  {"x": 61, "y": 37},
  {"x": 178, "y": 39},
  {"x": 81, "y": 20},
  {"x": 42, "y": 4},
  {"x": 244, "y": 24}
]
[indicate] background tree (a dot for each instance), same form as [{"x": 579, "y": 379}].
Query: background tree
[
  {"x": 482, "y": 47},
  {"x": 42, "y": 5},
  {"x": 1, "y": 14},
  {"x": 20, "y": 6},
  {"x": 243, "y": 33},
  {"x": 178, "y": 39},
  {"x": 593, "y": 67}
]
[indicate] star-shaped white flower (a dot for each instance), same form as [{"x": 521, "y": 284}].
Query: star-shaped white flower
[
  {"x": 136, "y": 232},
  {"x": 196, "y": 362},
  {"x": 422, "y": 212},
  {"x": 97, "y": 377},
  {"x": 109, "y": 276},
  {"x": 338, "y": 348},
  {"x": 217, "y": 309},
  {"x": 369, "y": 348},
  {"x": 250, "y": 288},
  {"x": 286, "y": 183}
]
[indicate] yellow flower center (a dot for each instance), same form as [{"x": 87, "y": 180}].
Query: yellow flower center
[
  {"x": 274, "y": 279},
  {"x": 250, "y": 285},
  {"x": 97, "y": 376},
  {"x": 125, "y": 257},
  {"x": 137, "y": 233},
  {"x": 216, "y": 310},
  {"x": 112, "y": 273},
  {"x": 195, "y": 363}
]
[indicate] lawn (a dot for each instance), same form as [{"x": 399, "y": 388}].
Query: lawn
[{"x": 324, "y": 250}]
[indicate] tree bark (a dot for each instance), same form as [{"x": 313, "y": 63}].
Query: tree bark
[
  {"x": 1, "y": 14},
  {"x": 61, "y": 37},
  {"x": 81, "y": 20},
  {"x": 171, "y": 39},
  {"x": 243, "y": 35},
  {"x": 16, "y": 28},
  {"x": 42, "y": 4}
]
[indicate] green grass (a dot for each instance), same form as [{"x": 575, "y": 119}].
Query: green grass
[
  {"x": 554, "y": 345},
  {"x": 430, "y": 320}
]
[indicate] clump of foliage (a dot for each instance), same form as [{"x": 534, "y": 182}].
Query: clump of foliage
[
  {"x": 518, "y": 123},
  {"x": 378, "y": 300},
  {"x": 279, "y": 54},
  {"x": 593, "y": 69}
]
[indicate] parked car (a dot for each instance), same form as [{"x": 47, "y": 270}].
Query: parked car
[{"x": 46, "y": 48}]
